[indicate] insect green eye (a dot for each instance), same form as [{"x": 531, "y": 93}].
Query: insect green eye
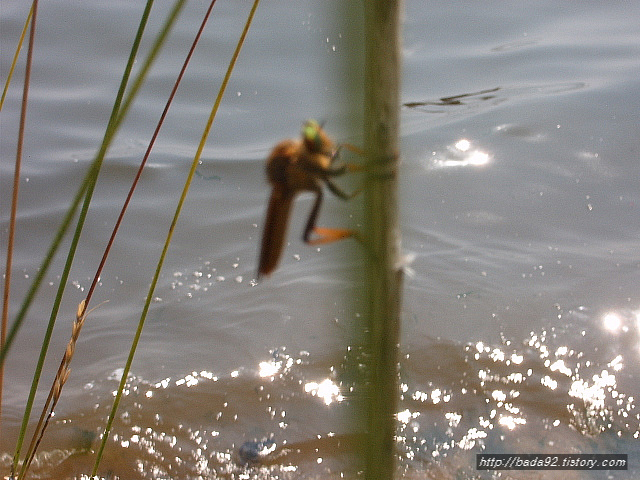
[{"x": 311, "y": 133}]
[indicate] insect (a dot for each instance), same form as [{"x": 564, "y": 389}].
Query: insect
[{"x": 292, "y": 167}]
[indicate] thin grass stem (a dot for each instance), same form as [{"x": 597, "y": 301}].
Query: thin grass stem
[
  {"x": 12, "y": 217},
  {"x": 56, "y": 388},
  {"x": 86, "y": 189},
  {"x": 27, "y": 22},
  {"x": 145, "y": 158},
  {"x": 94, "y": 168},
  {"x": 163, "y": 254},
  {"x": 16, "y": 182}
]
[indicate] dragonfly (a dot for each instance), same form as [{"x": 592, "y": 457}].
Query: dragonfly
[{"x": 296, "y": 166}]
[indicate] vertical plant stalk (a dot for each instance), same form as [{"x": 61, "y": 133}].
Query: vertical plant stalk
[
  {"x": 56, "y": 389},
  {"x": 174, "y": 221},
  {"x": 117, "y": 115},
  {"x": 27, "y": 22},
  {"x": 84, "y": 305},
  {"x": 16, "y": 188},
  {"x": 384, "y": 269},
  {"x": 143, "y": 163}
]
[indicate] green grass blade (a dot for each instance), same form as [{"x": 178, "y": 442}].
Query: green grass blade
[
  {"x": 174, "y": 221},
  {"x": 15, "y": 57},
  {"x": 16, "y": 180},
  {"x": 86, "y": 189}
]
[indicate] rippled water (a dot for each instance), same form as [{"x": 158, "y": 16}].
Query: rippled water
[{"x": 521, "y": 225}]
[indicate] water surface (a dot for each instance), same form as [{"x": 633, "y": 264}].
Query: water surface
[{"x": 520, "y": 207}]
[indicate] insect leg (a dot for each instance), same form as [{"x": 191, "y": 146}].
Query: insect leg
[{"x": 324, "y": 235}]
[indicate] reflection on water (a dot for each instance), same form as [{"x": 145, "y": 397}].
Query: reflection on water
[
  {"x": 492, "y": 97},
  {"x": 498, "y": 390},
  {"x": 328, "y": 391},
  {"x": 460, "y": 154},
  {"x": 526, "y": 201},
  {"x": 455, "y": 100},
  {"x": 284, "y": 418}
]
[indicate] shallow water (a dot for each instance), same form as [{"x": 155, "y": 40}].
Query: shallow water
[{"x": 520, "y": 205}]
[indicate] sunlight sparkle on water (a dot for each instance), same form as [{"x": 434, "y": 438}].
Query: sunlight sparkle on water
[
  {"x": 326, "y": 390},
  {"x": 612, "y": 322},
  {"x": 468, "y": 441},
  {"x": 517, "y": 359},
  {"x": 273, "y": 367},
  {"x": 547, "y": 381},
  {"x": 499, "y": 395},
  {"x": 453, "y": 418},
  {"x": 616, "y": 363},
  {"x": 511, "y": 422},
  {"x": 559, "y": 366},
  {"x": 461, "y": 154},
  {"x": 269, "y": 369},
  {"x": 405, "y": 416},
  {"x": 594, "y": 395}
]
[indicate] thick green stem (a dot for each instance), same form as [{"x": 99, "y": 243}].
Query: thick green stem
[{"x": 384, "y": 270}]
